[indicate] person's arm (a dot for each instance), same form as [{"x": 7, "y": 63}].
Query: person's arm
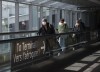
[
  {"x": 53, "y": 30},
  {"x": 39, "y": 32},
  {"x": 83, "y": 26},
  {"x": 66, "y": 27},
  {"x": 58, "y": 29}
]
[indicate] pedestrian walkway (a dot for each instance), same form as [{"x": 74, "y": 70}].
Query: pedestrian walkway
[
  {"x": 80, "y": 60},
  {"x": 89, "y": 63}
]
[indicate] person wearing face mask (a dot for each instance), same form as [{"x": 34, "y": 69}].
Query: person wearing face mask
[
  {"x": 62, "y": 28},
  {"x": 46, "y": 28},
  {"x": 77, "y": 29}
]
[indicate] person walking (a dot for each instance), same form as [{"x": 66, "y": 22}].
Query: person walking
[
  {"x": 47, "y": 29},
  {"x": 62, "y": 28}
]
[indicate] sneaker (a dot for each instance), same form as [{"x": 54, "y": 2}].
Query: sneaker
[{"x": 58, "y": 54}]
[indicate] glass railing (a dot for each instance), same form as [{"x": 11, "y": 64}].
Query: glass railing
[
  {"x": 21, "y": 51},
  {"x": 13, "y": 35}
]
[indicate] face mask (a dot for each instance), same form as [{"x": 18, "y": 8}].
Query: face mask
[{"x": 43, "y": 23}]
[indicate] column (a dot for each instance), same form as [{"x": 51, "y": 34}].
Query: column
[
  {"x": 0, "y": 16},
  {"x": 41, "y": 16},
  {"x": 50, "y": 16},
  {"x": 35, "y": 18},
  {"x": 65, "y": 17},
  {"x": 30, "y": 17},
  {"x": 81, "y": 15},
  {"x": 68, "y": 18},
  {"x": 63, "y": 14},
  {"x": 57, "y": 17},
  {"x": 16, "y": 25},
  {"x": 71, "y": 20},
  {"x": 75, "y": 18}
]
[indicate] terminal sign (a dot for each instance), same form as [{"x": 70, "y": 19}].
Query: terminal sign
[{"x": 25, "y": 51}]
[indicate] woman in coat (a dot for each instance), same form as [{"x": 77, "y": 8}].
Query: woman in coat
[
  {"x": 62, "y": 28},
  {"x": 47, "y": 29}
]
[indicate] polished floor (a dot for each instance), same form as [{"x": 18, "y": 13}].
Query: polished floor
[{"x": 89, "y": 63}]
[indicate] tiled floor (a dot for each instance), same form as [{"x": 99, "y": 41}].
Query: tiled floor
[{"x": 87, "y": 64}]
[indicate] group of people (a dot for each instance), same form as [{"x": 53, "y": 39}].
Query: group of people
[{"x": 47, "y": 29}]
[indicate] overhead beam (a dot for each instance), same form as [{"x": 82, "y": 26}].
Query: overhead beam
[{"x": 88, "y": 8}]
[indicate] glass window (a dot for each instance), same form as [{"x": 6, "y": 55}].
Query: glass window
[
  {"x": 43, "y": 12},
  {"x": 39, "y": 13},
  {"x": 8, "y": 20},
  {"x": 23, "y": 17},
  {"x": 36, "y": 17},
  {"x": 73, "y": 19},
  {"x": 68, "y": 17},
  {"x": 53, "y": 17},
  {"x": 78, "y": 15},
  {"x": 70, "y": 25},
  {"x": 8, "y": 16},
  {"x": 46, "y": 13}
]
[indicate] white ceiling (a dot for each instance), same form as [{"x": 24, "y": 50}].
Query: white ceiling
[
  {"x": 63, "y": 4},
  {"x": 86, "y": 3},
  {"x": 46, "y": 3}
]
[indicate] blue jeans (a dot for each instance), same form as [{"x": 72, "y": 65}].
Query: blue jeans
[{"x": 62, "y": 41}]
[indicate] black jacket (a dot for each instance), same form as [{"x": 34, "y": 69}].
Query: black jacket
[
  {"x": 50, "y": 30},
  {"x": 81, "y": 27}
]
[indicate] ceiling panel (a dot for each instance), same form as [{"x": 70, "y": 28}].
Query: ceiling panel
[
  {"x": 46, "y": 3},
  {"x": 86, "y": 3},
  {"x": 63, "y": 4}
]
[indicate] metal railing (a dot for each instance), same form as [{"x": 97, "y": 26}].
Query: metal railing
[
  {"x": 20, "y": 51},
  {"x": 21, "y": 34}
]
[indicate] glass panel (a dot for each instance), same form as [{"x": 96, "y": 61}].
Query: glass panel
[
  {"x": 70, "y": 19},
  {"x": 33, "y": 49},
  {"x": 67, "y": 17},
  {"x": 73, "y": 19},
  {"x": 35, "y": 18},
  {"x": 23, "y": 17},
  {"x": 46, "y": 13},
  {"x": 53, "y": 17},
  {"x": 5, "y": 56},
  {"x": 8, "y": 16},
  {"x": 39, "y": 15}
]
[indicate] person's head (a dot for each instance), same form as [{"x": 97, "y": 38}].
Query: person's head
[
  {"x": 44, "y": 21},
  {"x": 62, "y": 20},
  {"x": 77, "y": 23}
]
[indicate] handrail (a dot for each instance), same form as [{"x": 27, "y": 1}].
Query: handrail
[
  {"x": 25, "y": 43},
  {"x": 25, "y": 38},
  {"x": 21, "y": 32},
  {"x": 7, "y": 33},
  {"x": 48, "y": 35}
]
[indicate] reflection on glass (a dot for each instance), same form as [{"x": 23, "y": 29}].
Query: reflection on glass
[
  {"x": 8, "y": 16},
  {"x": 23, "y": 17},
  {"x": 5, "y": 50},
  {"x": 46, "y": 13}
]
